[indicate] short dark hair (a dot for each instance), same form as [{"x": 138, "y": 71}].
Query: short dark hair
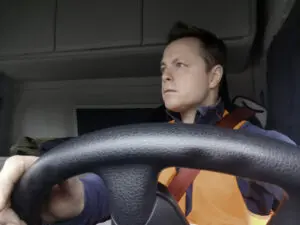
[{"x": 213, "y": 49}]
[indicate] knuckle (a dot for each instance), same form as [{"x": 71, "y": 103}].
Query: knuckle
[
  {"x": 14, "y": 159},
  {"x": 16, "y": 162}
]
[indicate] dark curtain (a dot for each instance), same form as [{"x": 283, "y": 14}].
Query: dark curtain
[{"x": 283, "y": 77}]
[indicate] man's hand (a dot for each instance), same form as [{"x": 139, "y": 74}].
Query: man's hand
[{"x": 66, "y": 201}]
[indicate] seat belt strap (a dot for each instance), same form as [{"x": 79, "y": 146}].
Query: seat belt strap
[{"x": 185, "y": 177}]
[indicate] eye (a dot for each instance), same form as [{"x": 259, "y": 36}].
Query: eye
[
  {"x": 180, "y": 64},
  {"x": 162, "y": 69}
]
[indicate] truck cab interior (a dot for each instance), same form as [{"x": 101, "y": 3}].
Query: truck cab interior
[{"x": 71, "y": 67}]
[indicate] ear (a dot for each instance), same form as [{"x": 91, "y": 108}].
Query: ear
[{"x": 216, "y": 75}]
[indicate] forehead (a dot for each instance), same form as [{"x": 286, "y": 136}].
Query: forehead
[{"x": 185, "y": 47}]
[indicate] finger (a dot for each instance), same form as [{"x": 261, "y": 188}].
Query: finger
[
  {"x": 23, "y": 223},
  {"x": 7, "y": 216},
  {"x": 13, "y": 169},
  {"x": 70, "y": 184}
]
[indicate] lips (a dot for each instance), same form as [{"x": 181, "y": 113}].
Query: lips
[{"x": 169, "y": 91}]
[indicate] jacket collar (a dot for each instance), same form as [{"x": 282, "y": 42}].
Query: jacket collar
[{"x": 205, "y": 114}]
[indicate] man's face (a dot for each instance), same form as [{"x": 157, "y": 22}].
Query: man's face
[{"x": 185, "y": 81}]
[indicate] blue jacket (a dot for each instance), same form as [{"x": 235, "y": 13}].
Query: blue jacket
[{"x": 96, "y": 194}]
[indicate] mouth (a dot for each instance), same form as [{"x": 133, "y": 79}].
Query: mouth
[{"x": 169, "y": 91}]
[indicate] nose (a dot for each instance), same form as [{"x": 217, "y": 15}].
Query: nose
[{"x": 167, "y": 75}]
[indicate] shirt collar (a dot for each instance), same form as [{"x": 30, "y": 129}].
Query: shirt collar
[{"x": 205, "y": 114}]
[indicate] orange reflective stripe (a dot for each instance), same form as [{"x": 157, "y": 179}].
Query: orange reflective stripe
[
  {"x": 255, "y": 219},
  {"x": 239, "y": 125},
  {"x": 167, "y": 176},
  {"x": 225, "y": 113}
]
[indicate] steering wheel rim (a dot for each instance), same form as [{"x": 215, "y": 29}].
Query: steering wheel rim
[{"x": 142, "y": 151}]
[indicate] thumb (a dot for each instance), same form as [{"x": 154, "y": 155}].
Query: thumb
[
  {"x": 14, "y": 167},
  {"x": 69, "y": 184}
]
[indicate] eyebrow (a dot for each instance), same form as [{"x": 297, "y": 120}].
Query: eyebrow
[{"x": 162, "y": 63}]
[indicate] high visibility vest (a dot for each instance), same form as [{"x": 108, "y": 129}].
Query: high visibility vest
[{"x": 216, "y": 199}]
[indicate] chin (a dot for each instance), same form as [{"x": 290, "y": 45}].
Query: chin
[{"x": 173, "y": 107}]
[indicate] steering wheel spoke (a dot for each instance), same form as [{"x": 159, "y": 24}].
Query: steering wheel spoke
[{"x": 132, "y": 192}]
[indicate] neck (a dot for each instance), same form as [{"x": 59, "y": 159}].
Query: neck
[{"x": 188, "y": 116}]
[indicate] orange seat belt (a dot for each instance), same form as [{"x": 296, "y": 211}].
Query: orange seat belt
[{"x": 185, "y": 177}]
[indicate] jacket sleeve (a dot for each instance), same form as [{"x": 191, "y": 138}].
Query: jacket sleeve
[
  {"x": 264, "y": 192},
  {"x": 96, "y": 207},
  {"x": 276, "y": 191}
]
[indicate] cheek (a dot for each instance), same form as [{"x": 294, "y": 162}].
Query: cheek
[
  {"x": 197, "y": 86},
  {"x": 196, "y": 93}
]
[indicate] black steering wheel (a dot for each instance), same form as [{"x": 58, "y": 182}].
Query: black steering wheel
[{"x": 129, "y": 159}]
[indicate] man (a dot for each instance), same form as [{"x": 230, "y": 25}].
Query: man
[{"x": 192, "y": 70}]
